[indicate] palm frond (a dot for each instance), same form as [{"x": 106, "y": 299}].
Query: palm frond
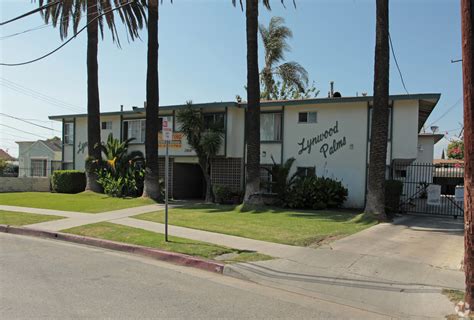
[
  {"x": 211, "y": 142},
  {"x": 293, "y": 74}
]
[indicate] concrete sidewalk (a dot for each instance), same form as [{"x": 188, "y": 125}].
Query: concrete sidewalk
[
  {"x": 75, "y": 219},
  {"x": 270, "y": 248}
]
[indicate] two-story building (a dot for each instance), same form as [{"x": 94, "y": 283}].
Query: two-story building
[{"x": 327, "y": 136}]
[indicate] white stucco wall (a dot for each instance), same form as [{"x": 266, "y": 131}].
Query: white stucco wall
[
  {"x": 425, "y": 149},
  {"x": 348, "y": 163},
  {"x": 405, "y": 129}
]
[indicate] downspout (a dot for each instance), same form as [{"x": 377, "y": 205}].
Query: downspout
[
  {"x": 121, "y": 123},
  {"x": 225, "y": 129},
  {"x": 244, "y": 153},
  {"x": 74, "y": 144},
  {"x": 62, "y": 149},
  {"x": 282, "y": 132},
  {"x": 367, "y": 153}
]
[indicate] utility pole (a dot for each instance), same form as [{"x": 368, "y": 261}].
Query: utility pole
[{"x": 467, "y": 22}]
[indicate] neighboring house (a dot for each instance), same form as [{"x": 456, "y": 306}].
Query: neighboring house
[
  {"x": 327, "y": 136},
  {"x": 39, "y": 158},
  {"x": 7, "y": 157}
]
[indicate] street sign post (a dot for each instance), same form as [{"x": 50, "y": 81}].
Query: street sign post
[{"x": 167, "y": 137}]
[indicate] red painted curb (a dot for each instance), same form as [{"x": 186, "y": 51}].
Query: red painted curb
[{"x": 176, "y": 258}]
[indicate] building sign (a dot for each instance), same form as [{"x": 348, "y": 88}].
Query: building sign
[
  {"x": 434, "y": 194},
  {"x": 327, "y": 141},
  {"x": 174, "y": 143}
]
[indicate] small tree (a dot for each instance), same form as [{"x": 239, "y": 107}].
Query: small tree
[
  {"x": 205, "y": 141},
  {"x": 456, "y": 150}
]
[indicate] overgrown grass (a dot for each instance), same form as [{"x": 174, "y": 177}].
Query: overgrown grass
[
  {"x": 22, "y": 218},
  {"x": 88, "y": 202},
  {"x": 115, "y": 232},
  {"x": 293, "y": 227}
]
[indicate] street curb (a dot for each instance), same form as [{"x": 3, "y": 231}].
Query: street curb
[{"x": 176, "y": 258}]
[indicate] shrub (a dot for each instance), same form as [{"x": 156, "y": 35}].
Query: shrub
[
  {"x": 393, "y": 192},
  {"x": 68, "y": 181},
  {"x": 225, "y": 195},
  {"x": 121, "y": 174},
  {"x": 315, "y": 193}
]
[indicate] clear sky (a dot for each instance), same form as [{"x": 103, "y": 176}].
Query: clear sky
[{"x": 202, "y": 57}]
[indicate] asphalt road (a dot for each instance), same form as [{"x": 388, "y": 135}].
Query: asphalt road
[{"x": 47, "y": 279}]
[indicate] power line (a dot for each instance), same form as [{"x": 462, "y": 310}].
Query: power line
[
  {"x": 37, "y": 95},
  {"x": 42, "y": 26},
  {"x": 65, "y": 43},
  {"x": 446, "y": 112},
  {"x": 26, "y": 121},
  {"x": 30, "y": 12},
  {"x": 396, "y": 63},
  {"x": 33, "y": 134},
  {"x": 14, "y": 135}
]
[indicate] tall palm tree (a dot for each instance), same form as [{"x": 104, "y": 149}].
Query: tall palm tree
[
  {"x": 61, "y": 14},
  {"x": 380, "y": 113},
  {"x": 252, "y": 117},
  {"x": 151, "y": 185},
  {"x": 292, "y": 74}
]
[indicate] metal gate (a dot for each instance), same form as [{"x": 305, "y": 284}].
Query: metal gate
[{"x": 417, "y": 179}]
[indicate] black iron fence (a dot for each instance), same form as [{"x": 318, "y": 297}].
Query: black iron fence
[{"x": 434, "y": 189}]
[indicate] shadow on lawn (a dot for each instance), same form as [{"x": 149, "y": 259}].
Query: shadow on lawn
[{"x": 336, "y": 215}]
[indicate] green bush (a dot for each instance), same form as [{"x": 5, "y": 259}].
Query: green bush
[
  {"x": 225, "y": 195},
  {"x": 68, "y": 181},
  {"x": 393, "y": 192},
  {"x": 315, "y": 193}
]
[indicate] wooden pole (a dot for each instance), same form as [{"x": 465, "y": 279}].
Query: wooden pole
[{"x": 467, "y": 70}]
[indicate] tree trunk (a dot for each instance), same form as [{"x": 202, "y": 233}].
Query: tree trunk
[
  {"x": 467, "y": 19},
  {"x": 93, "y": 102},
  {"x": 380, "y": 113},
  {"x": 151, "y": 187},
  {"x": 205, "y": 167},
  {"x": 252, "y": 187}
]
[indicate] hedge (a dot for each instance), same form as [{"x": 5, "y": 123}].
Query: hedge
[{"x": 68, "y": 181}]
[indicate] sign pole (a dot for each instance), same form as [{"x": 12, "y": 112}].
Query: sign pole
[{"x": 166, "y": 190}]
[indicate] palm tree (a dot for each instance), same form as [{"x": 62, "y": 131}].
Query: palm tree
[
  {"x": 379, "y": 129},
  {"x": 151, "y": 185},
  {"x": 61, "y": 14},
  {"x": 292, "y": 74},
  {"x": 205, "y": 141},
  {"x": 252, "y": 117}
]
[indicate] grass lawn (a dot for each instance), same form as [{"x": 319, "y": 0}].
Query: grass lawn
[
  {"x": 81, "y": 202},
  {"x": 285, "y": 226},
  {"x": 115, "y": 232},
  {"x": 22, "y": 218}
]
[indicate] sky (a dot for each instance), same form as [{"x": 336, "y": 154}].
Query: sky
[{"x": 202, "y": 57}]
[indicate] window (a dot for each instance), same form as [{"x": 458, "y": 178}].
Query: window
[
  {"x": 106, "y": 125},
  {"x": 307, "y": 117},
  {"x": 68, "y": 133},
  {"x": 306, "y": 171},
  {"x": 39, "y": 167},
  {"x": 214, "y": 121},
  {"x": 134, "y": 129},
  {"x": 270, "y": 127}
]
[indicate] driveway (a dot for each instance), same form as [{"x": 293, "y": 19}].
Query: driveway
[{"x": 394, "y": 269}]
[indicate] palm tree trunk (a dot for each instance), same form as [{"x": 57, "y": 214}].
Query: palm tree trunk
[
  {"x": 252, "y": 187},
  {"x": 378, "y": 141},
  {"x": 93, "y": 102},
  {"x": 467, "y": 18},
  {"x": 206, "y": 172},
  {"x": 151, "y": 184}
]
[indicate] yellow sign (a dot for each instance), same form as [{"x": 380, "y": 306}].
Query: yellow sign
[{"x": 175, "y": 143}]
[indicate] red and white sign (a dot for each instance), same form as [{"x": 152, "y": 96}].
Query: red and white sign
[{"x": 167, "y": 130}]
